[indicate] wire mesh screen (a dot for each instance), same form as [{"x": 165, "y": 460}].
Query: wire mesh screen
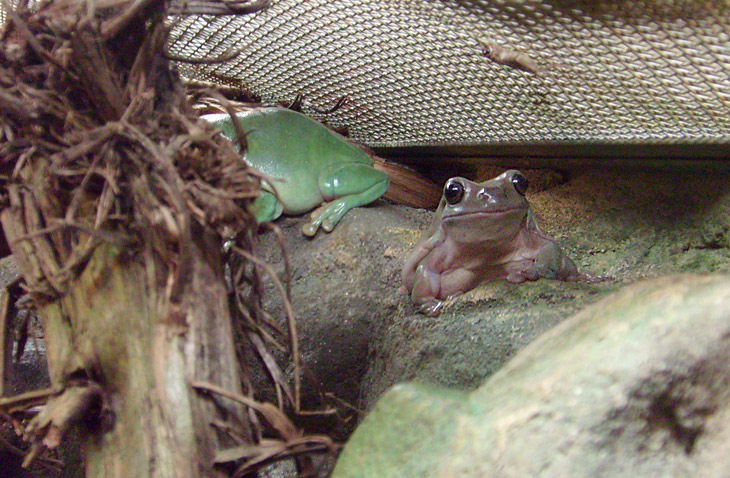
[{"x": 415, "y": 73}]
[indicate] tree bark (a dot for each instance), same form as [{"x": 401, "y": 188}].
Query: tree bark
[
  {"x": 114, "y": 204},
  {"x": 116, "y": 328}
]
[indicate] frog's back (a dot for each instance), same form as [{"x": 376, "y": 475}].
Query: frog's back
[{"x": 287, "y": 141}]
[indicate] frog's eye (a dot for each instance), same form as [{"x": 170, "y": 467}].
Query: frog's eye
[
  {"x": 520, "y": 183},
  {"x": 453, "y": 192}
]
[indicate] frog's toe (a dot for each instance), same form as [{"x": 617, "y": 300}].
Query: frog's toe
[
  {"x": 518, "y": 278},
  {"x": 318, "y": 211},
  {"x": 588, "y": 278},
  {"x": 328, "y": 225},
  {"x": 309, "y": 229},
  {"x": 432, "y": 308}
]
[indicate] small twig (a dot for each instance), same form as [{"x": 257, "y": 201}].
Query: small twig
[
  {"x": 279, "y": 451},
  {"x": 17, "y": 426},
  {"x": 48, "y": 463},
  {"x": 276, "y": 418},
  {"x": 293, "y": 336},
  {"x": 235, "y": 122},
  {"x": 345, "y": 403},
  {"x": 271, "y": 365},
  {"x": 12, "y": 105},
  {"x": 228, "y": 430},
  {"x": 217, "y": 7},
  {"x": 222, "y": 58},
  {"x": 81, "y": 189},
  {"x": 221, "y": 193},
  {"x": 5, "y": 306},
  {"x": 255, "y": 326},
  {"x": 298, "y": 103},
  {"x": 32, "y": 398},
  {"x": 340, "y": 103},
  {"x": 47, "y": 428},
  {"x": 85, "y": 147},
  {"x": 36, "y": 449}
]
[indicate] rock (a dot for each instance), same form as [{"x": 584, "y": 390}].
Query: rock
[
  {"x": 634, "y": 385},
  {"x": 360, "y": 336}
]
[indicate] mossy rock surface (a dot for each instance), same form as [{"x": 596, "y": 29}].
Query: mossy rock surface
[
  {"x": 634, "y": 385},
  {"x": 360, "y": 336}
]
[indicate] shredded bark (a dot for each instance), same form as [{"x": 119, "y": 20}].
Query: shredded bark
[
  {"x": 99, "y": 145},
  {"x": 92, "y": 160}
]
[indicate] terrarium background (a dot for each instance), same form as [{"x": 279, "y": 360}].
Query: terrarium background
[{"x": 615, "y": 71}]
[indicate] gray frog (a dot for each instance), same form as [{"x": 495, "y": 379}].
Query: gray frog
[{"x": 482, "y": 232}]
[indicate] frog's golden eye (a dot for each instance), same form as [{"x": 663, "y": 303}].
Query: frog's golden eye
[
  {"x": 453, "y": 191},
  {"x": 520, "y": 183}
]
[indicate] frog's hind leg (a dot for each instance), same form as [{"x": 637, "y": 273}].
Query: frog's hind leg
[
  {"x": 352, "y": 185},
  {"x": 266, "y": 207}
]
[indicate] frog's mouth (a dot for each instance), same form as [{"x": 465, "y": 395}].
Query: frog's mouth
[{"x": 496, "y": 212}]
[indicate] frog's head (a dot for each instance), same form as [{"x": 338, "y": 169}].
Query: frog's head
[{"x": 494, "y": 210}]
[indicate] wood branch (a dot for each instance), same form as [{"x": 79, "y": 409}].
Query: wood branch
[
  {"x": 291, "y": 322},
  {"x": 407, "y": 186}
]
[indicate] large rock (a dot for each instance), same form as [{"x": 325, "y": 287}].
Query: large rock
[
  {"x": 634, "y": 385},
  {"x": 359, "y": 336}
]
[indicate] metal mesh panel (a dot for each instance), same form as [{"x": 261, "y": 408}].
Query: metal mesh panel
[
  {"x": 415, "y": 73},
  {"x": 613, "y": 71}
]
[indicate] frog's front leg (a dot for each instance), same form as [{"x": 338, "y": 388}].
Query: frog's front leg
[
  {"x": 422, "y": 249},
  {"x": 426, "y": 289},
  {"x": 352, "y": 185}
]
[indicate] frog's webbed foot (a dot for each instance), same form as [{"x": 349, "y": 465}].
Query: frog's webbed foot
[
  {"x": 326, "y": 216},
  {"x": 266, "y": 207}
]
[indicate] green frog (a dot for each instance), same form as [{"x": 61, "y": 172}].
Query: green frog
[
  {"x": 482, "y": 232},
  {"x": 305, "y": 165}
]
